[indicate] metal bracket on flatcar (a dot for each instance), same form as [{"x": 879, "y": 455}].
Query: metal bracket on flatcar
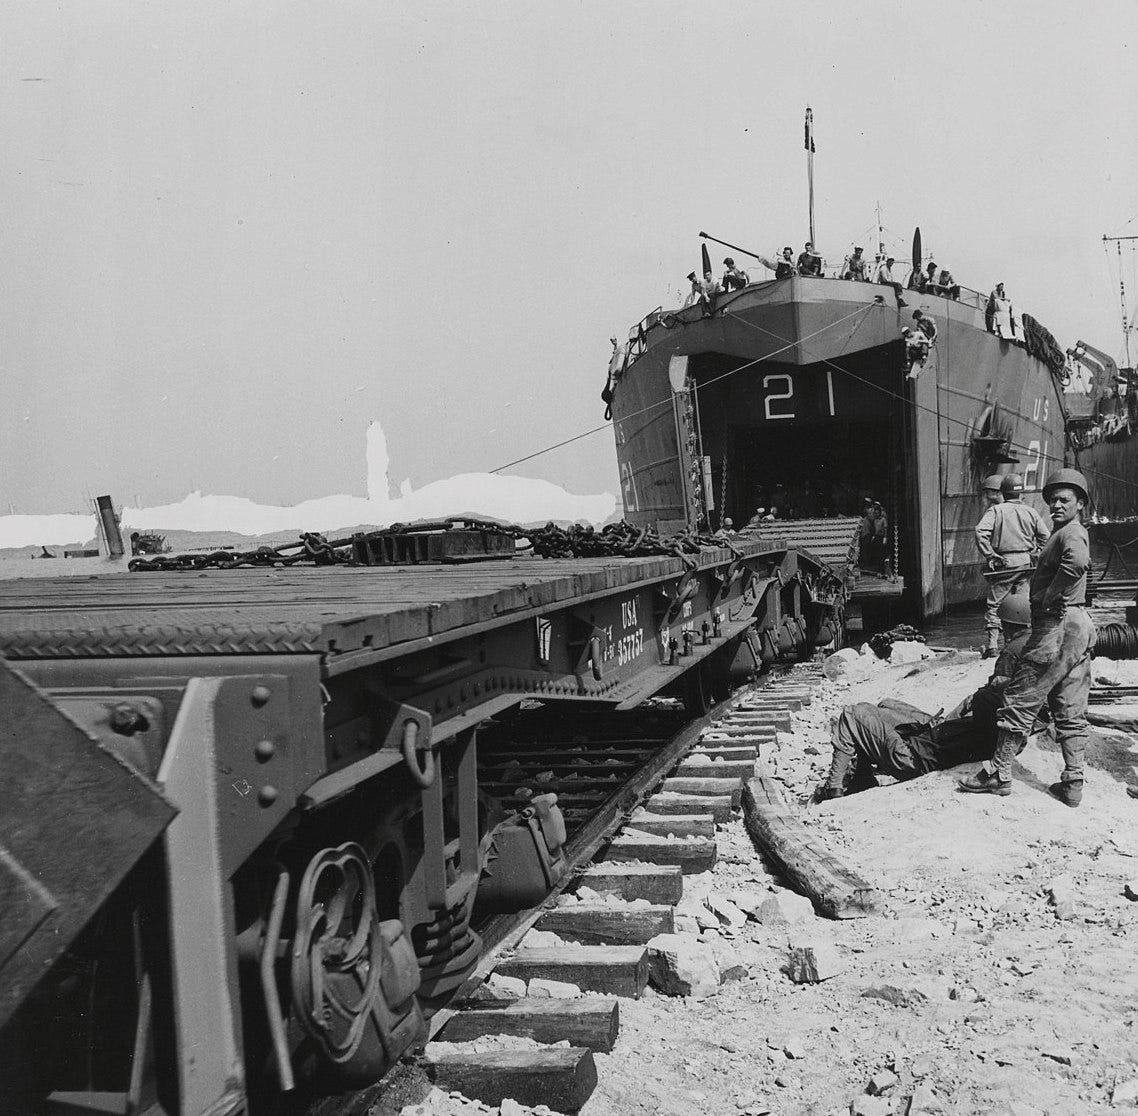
[{"x": 687, "y": 588}]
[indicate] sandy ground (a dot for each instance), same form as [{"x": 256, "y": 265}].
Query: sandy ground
[{"x": 1002, "y": 1007}]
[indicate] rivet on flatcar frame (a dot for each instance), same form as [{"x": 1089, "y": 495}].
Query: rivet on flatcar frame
[
  {"x": 267, "y": 795},
  {"x": 260, "y": 695},
  {"x": 264, "y": 750}
]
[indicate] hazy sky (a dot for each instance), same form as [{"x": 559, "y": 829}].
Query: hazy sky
[{"x": 231, "y": 234}]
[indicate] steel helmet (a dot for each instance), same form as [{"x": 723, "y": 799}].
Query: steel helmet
[
  {"x": 993, "y": 483},
  {"x": 1015, "y": 608},
  {"x": 1012, "y": 484},
  {"x": 1066, "y": 478}
]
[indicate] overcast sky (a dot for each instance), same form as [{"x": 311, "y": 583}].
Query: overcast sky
[{"x": 232, "y": 234}]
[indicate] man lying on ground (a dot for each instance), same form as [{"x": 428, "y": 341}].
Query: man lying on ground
[{"x": 897, "y": 739}]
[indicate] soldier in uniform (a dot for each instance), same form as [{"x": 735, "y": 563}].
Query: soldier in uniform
[
  {"x": 1007, "y": 536},
  {"x": 992, "y": 493},
  {"x": 1055, "y": 667},
  {"x": 897, "y": 739}
]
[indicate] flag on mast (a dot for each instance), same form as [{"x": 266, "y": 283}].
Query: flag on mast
[{"x": 810, "y": 129}]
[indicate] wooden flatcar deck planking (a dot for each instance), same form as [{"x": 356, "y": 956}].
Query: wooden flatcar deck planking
[{"x": 302, "y": 609}]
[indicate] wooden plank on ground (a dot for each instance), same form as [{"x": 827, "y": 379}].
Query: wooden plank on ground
[
  {"x": 836, "y": 889},
  {"x": 718, "y": 806},
  {"x": 715, "y": 788},
  {"x": 658, "y": 883},
  {"x": 592, "y": 1022},
  {"x": 679, "y": 825},
  {"x": 562, "y": 1078},
  {"x": 606, "y": 924},
  {"x": 694, "y": 855},
  {"x": 621, "y": 970}
]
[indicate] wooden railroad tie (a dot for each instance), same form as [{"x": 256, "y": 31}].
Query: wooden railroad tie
[
  {"x": 713, "y": 787},
  {"x": 562, "y": 1078},
  {"x": 679, "y": 825},
  {"x": 718, "y": 805},
  {"x": 592, "y": 1023},
  {"x": 696, "y": 854},
  {"x": 601, "y": 923},
  {"x": 658, "y": 883},
  {"x": 621, "y": 970}
]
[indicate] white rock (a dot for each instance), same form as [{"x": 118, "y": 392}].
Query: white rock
[
  {"x": 882, "y": 1082},
  {"x": 505, "y": 987},
  {"x": 726, "y": 911},
  {"x": 553, "y": 989},
  {"x": 925, "y": 1103},
  {"x": 871, "y": 1106},
  {"x": 1125, "y": 1092},
  {"x": 909, "y": 651},
  {"x": 542, "y": 939},
  {"x": 682, "y": 966},
  {"x": 748, "y": 900},
  {"x": 510, "y": 1107},
  {"x": 685, "y": 923},
  {"x": 784, "y": 907},
  {"x": 838, "y": 664},
  {"x": 728, "y": 961}
]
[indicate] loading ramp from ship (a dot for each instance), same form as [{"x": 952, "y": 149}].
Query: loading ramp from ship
[{"x": 833, "y": 541}]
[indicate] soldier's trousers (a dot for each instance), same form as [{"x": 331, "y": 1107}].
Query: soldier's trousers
[
  {"x": 997, "y": 591},
  {"x": 1055, "y": 669}
]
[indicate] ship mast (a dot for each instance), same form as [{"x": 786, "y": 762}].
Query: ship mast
[
  {"x": 810, "y": 169},
  {"x": 1122, "y": 290}
]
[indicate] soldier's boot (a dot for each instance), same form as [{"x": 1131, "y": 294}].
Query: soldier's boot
[
  {"x": 999, "y": 780},
  {"x": 1070, "y": 793},
  {"x": 985, "y": 782},
  {"x": 992, "y": 647}
]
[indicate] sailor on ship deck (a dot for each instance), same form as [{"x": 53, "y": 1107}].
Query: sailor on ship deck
[
  {"x": 856, "y": 267},
  {"x": 945, "y": 285},
  {"x": 734, "y": 278},
  {"x": 885, "y": 278},
  {"x": 809, "y": 262}
]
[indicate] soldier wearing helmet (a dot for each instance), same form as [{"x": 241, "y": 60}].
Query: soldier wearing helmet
[
  {"x": 1054, "y": 669},
  {"x": 992, "y": 493},
  {"x": 1007, "y": 536},
  {"x": 899, "y": 740}
]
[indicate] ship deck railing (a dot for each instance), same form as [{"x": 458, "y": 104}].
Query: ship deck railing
[{"x": 638, "y": 334}]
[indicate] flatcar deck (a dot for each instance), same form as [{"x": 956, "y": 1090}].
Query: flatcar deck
[{"x": 330, "y": 611}]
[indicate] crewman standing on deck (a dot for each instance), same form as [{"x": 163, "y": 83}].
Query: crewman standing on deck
[
  {"x": 1055, "y": 667},
  {"x": 1007, "y": 536}
]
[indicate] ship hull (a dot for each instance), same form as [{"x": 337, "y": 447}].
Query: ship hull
[
  {"x": 797, "y": 392},
  {"x": 1111, "y": 469}
]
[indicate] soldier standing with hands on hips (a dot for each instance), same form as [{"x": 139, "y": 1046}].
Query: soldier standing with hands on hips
[{"x": 1008, "y": 534}]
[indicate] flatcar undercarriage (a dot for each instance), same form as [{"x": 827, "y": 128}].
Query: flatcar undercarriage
[{"x": 244, "y": 832}]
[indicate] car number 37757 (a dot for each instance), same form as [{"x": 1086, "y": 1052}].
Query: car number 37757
[{"x": 629, "y": 646}]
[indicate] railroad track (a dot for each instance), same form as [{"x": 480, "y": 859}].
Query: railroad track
[{"x": 631, "y": 840}]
